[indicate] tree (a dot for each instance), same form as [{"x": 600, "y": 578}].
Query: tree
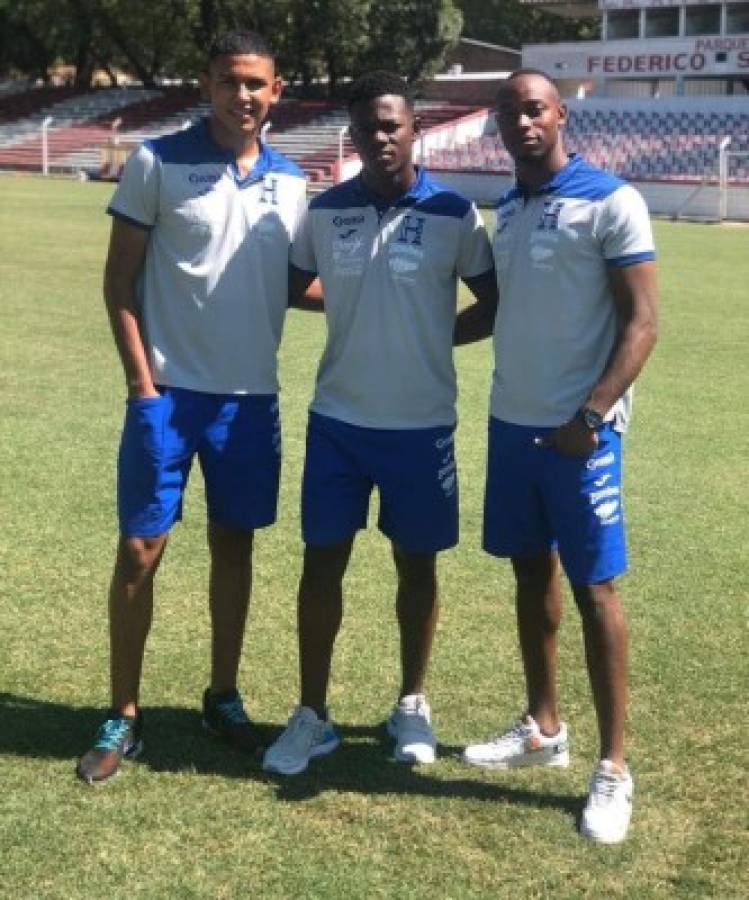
[
  {"x": 411, "y": 36},
  {"x": 511, "y": 24}
]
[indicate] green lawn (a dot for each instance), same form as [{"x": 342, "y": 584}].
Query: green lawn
[{"x": 192, "y": 819}]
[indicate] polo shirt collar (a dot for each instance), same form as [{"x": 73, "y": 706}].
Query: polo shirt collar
[
  {"x": 559, "y": 180},
  {"x": 417, "y": 191},
  {"x": 262, "y": 165}
]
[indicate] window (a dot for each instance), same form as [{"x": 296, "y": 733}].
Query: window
[
  {"x": 662, "y": 22},
  {"x": 702, "y": 20},
  {"x": 737, "y": 18},
  {"x": 624, "y": 24}
]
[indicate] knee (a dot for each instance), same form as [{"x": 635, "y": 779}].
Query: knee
[
  {"x": 592, "y": 599},
  {"x": 230, "y": 545},
  {"x": 138, "y": 558},
  {"x": 536, "y": 574},
  {"x": 417, "y": 574},
  {"x": 322, "y": 573}
]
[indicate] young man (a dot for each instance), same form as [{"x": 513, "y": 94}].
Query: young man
[
  {"x": 389, "y": 246},
  {"x": 577, "y": 320},
  {"x": 196, "y": 289}
]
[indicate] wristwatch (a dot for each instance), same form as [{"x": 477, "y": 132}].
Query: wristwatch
[{"x": 593, "y": 420}]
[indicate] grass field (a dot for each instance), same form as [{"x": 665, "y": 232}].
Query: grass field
[{"x": 192, "y": 819}]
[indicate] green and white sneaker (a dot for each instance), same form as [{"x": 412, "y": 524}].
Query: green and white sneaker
[{"x": 305, "y": 737}]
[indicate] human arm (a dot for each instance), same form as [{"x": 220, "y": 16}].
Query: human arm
[
  {"x": 476, "y": 322},
  {"x": 635, "y": 295},
  {"x": 305, "y": 290},
  {"x": 125, "y": 258}
]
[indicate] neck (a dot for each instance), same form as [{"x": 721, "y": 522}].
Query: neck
[
  {"x": 533, "y": 174},
  {"x": 390, "y": 188},
  {"x": 244, "y": 147}
]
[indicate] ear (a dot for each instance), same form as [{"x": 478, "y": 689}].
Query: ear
[
  {"x": 417, "y": 126},
  {"x": 203, "y": 83},
  {"x": 562, "y": 114},
  {"x": 276, "y": 89}
]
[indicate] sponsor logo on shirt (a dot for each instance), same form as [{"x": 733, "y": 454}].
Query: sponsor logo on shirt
[
  {"x": 345, "y": 221},
  {"x": 203, "y": 177}
]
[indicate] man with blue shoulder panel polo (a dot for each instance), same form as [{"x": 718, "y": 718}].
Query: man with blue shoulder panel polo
[
  {"x": 389, "y": 246},
  {"x": 196, "y": 286},
  {"x": 576, "y": 322}
]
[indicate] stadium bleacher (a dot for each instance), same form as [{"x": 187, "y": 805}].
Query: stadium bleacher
[
  {"x": 660, "y": 142},
  {"x": 637, "y": 144}
]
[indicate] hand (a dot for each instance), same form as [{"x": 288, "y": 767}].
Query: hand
[
  {"x": 141, "y": 392},
  {"x": 573, "y": 438}
]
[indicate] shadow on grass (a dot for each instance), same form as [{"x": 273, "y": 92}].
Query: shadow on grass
[{"x": 175, "y": 742}]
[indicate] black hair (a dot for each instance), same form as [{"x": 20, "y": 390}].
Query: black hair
[
  {"x": 519, "y": 73},
  {"x": 240, "y": 42},
  {"x": 377, "y": 84}
]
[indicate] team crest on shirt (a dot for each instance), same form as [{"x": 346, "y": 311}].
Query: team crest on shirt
[
  {"x": 269, "y": 191},
  {"x": 549, "y": 220},
  {"x": 406, "y": 251}
]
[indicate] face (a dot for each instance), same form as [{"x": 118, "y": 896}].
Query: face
[
  {"x": 383, "y": 131},
  {"x": 241, "y": 89},
  {"x": 529, "y": 115}
]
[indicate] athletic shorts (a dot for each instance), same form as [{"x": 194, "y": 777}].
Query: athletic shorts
[
  {"x": 413, "y": 470},
  {"x": 237, "y": 439},
  {"x": 538, "y": 498}
]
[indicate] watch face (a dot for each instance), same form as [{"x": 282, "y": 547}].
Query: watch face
[{"x": 592, "y": 419}]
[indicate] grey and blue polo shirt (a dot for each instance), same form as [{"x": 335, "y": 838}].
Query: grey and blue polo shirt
[
  {"x": 556, "y": 324},
  {"x": 389, "y": 274},
  {"x": 215, "y": 281}
]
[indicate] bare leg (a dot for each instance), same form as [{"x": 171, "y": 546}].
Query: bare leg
[
  {"x": 417, "y": 609},
  {"x": 229, "y": 597},
  {"x": 320, "y": 610},
  {"x": 130, "y": 614},
  {"x": 539, "y": 612},
  {"x": 606, "y": 651}
]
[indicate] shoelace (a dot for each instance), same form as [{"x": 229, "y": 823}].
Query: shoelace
[
  {"x": 112, "y": 734},
  {"x": 418, "y": 721},
  {"x": 233, "y": 711},
  {"x": 519, "y": 730},
  {"x": 604, "y": 787}
]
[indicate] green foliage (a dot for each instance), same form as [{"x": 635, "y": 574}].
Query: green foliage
[
  {"x": 509, "y": 23},
  {"x": 191, "y": 819},
  {"x": 313, "y": 38}
]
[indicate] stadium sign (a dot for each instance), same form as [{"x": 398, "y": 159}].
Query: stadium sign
[{"x": 716, "y": 56}]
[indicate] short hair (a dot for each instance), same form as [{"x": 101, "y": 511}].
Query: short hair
[
  {"x": 519, "y": 73},
  {"x": 377, "y": 84},
  {"x": 240, "y": 42}
]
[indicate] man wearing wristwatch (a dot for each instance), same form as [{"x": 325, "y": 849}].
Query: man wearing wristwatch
[{"x": 576, "y": 322}]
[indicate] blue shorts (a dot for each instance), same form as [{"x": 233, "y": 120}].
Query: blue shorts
[
  {"x": 237, "y": 439},
  {"x": 413, "y": 469},
  {"x": 537, "y": 498}
]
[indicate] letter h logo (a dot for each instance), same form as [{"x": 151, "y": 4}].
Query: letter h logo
[
  {"x": 411, "y": 230},
  {"x": 269, "y": 191},
  {"x": 549, "y": 220}
]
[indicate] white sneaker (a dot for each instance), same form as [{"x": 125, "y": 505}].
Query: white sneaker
[
  {"x": 522, "y": 745},
  {"x": 609, "y": 808},
  {"x": 410, "y": 727},
  {"x": 305, "y": 737}
]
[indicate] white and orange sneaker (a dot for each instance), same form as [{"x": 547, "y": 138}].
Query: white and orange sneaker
[
  {"x": 609, "y": 808},
  {"x": 522, "y": 745}
]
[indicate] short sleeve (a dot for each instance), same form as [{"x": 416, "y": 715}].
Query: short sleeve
[
  {"x": 299, "y": 212},
  {"x": 624, "y": 228},
  {"x": 303, "y": 249},
  {"x": 474, "y": 251},
  {"x": 136, "y": 197}
]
